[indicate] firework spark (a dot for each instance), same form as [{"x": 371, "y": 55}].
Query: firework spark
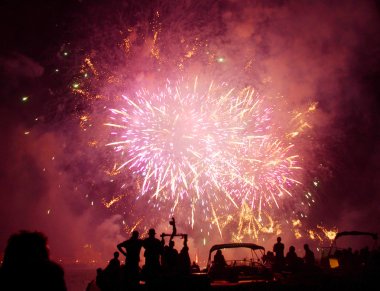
[{"x": 210, "y": 146}]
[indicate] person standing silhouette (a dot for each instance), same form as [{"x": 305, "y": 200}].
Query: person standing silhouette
[
  {"x": 170, "y": 258},
  {"x": 153, "y": 250},
  {"x": 309, "y": 259},
  {"x": 278, "y": 249},
  {"x": 184, "y": 262},
  {"x": 131, "y": 250},
  {"x": 112, "y": 273}
]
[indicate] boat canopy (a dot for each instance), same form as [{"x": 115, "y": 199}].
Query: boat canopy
[
  {"x": 236, "y": 245},
  {"x": 347, "y": 233}
]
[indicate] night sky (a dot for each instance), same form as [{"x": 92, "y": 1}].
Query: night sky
[{"x": 327, "y": 51}]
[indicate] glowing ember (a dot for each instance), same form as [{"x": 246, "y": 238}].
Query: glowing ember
[{"x": 329, "y": 233}]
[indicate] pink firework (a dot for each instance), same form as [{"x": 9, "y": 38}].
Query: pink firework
[{"x": 210, "y": 146}]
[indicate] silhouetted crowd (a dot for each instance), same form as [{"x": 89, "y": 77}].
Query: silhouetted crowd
[
  {"x": 291, "y": 262},
  {"x": 161, "y": 261},
  {"x": 339, "y": 270},
  {"x": 27, "y": 266},
  {"x": 363, "y": 259}
]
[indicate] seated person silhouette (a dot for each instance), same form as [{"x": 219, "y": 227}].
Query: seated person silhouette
[
  {"x": 195, "y": 267},
  {"x": 219, "y": 264}
]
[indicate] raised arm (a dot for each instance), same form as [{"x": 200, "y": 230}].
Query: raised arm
[{"x": 120, "y": 247}]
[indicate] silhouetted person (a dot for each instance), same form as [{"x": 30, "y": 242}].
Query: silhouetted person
[
  {"x": 27, "y": 266},
  {"x": 184, "y": 262},
  {"x": 292, "y": 261},
  {"x": 153, "y": 251},
  {"x": 195, "y": 267},
  {"x": 131, "y": 250},
  {"x": 268, "y": 258},
  {"x": 112, "y": 272},
  {"x": 93, "y": 285},
  {"x": 278, "y": 249},
  {"x": 219, "y": 263},
  {"x": 170, "y": 259},
  {"x": 101, "y": 280},
  {"x": 114, "y": 264},
  {"x": 174, "y": 231},
  {"x": 165, "y": 250},
  {"x": 219, "y": 259},
  {"x": 309, "y": 259}
]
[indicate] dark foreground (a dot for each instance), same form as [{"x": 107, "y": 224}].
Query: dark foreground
[{"x": 318, "y": 280}]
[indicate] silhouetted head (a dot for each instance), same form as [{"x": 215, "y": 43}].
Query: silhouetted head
[
  {"x": 151, "y": 232},
  {"x": 135, "y": 234},
  {"x": 292, "y": 249},
  {"x": 26, "y": 247},
  {"x": 279, "y": 239},
  {"x": 306, "y": 246},
  {"x": 171, "y": 244},
  {"x": 116, "y": 255}
]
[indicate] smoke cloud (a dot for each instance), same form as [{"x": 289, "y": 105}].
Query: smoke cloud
[{"x": 324, "y": 51}]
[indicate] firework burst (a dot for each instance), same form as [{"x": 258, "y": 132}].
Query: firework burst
[
  {"x": 221, "y": 157},
  {"x": 212, "y": 147}
]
